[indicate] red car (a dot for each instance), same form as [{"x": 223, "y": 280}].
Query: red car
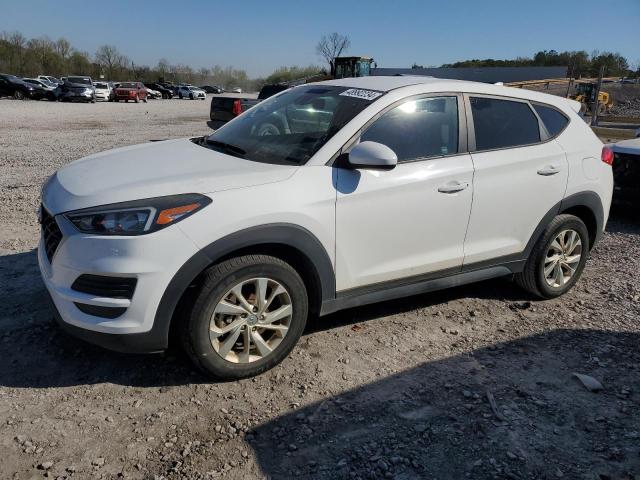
[{"x": 135, "y": 91}]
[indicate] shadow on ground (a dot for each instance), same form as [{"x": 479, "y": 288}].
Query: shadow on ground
[
  {"x": 38, "y": 354},
  {"x": 436, "y": 420}
]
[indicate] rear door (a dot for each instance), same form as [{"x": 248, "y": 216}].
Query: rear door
[{"x": 520, "y": 174}]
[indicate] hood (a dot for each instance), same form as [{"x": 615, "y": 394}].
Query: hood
[{"x": 153, "y": 170}]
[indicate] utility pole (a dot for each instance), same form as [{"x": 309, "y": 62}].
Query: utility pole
[
  {"x": 570, "y": 82},
  {"x": 595, "y": 104}
]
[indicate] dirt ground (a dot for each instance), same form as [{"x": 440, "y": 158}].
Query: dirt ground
[{"x": 475, "y": 382}]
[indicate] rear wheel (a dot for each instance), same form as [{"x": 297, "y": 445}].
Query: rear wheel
[
  {"x": 18, "y": 95},
  {"x": 191, "y": 96},
  {"x": 180, "y": 96},
  {"x": 557, "y": 259},
  {"x": 246, "y": 318}
]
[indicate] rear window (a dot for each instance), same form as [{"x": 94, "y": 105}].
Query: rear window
[
  {"x": 553, "y": 120},
  {"x": 503, "y": 123}
]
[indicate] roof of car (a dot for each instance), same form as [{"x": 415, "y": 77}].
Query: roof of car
[{"x": 388, "y": 83}]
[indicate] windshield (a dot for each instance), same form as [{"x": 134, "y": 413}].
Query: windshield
[
  {"x": 81, "y": 80},
  {"x": 290, "y": 128},
  {"x": 128, "y": 85},
  {"x": 100, "y": 85}
]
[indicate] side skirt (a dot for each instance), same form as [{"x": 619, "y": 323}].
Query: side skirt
[{"x": 382, "y": 292}]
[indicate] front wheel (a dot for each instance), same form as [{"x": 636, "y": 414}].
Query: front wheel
[
  {"x": 557, "y": 259},
  {"x": 191, "y": 96},
  {"x": 18, "y": 95},
  {"x": 247, "y": 316}
]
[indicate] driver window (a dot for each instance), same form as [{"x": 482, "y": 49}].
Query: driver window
[{"x": 416, "y": 129}]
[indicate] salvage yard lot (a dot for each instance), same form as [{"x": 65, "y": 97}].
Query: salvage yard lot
[{"x": 395, "y": 390}]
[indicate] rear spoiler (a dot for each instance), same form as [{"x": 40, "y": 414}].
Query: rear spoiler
[{"x": 575, "y": 105}]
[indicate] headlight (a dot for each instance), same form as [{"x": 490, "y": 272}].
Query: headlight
[{"x": 139, "y": 217}]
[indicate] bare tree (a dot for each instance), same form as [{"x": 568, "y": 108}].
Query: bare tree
[
  {"x": 331, "y": 46},
  {"x": 110, "y": 59},
  {"x": 63, "y": 48}
]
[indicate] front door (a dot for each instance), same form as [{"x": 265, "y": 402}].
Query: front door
[{"x": 412, "y": 220}]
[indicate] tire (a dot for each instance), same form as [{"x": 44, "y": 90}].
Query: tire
[
  {"x": 266, "y": 129},
  {"x": 18, "y": 95},
  {"x": 191, "y": 96},
  {"x": 126, "y": 100},
  {"x": 533, "y": 278},
  {"x": 180, "y": 96},
  {"x": 137, "y": 99},
  {"x": 218, "y": 281},
  {"x": 144, "y": 99}
]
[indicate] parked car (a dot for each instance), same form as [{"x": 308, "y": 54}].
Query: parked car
[
  {"x": 626, "y": 173},
  {"x": 153, "y": 94},
  {"x": 212, "y": 89},
  {"x": 235, "y": 90},
  {"x": 165, "y": 91},
  {"x": 34, "y": 81},
  {"x": 366, "y": 189},
  {"x": 224, "y": 109},
  {"x": 191, "y": 92},
  {"x": 104, "y": 91},
  {"x": 45, "y": 90},
  {"x": 76, "y": 89},
  {"x": 12, "y": 86},
  {"x": 52, "y": 80},
  {"x": 134, "y": 91}
]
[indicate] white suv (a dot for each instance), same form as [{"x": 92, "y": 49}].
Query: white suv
[{"x": 323, "y": 197}]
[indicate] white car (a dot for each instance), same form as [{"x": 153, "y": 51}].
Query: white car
[
  {"x": 35, "y": 81},
  {"x": 153, "y": 94},
  {"x": 53, "y": 81},
  {"x": 360, "y": 190},
  {"x": 193, "y": 93},
  {"x": 103, "y": 91}
]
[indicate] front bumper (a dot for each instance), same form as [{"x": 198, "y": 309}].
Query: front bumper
[{"x": 152, "y": 259}]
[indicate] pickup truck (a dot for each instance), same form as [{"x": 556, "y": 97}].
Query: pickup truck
[{"x": 224, "y": 109}]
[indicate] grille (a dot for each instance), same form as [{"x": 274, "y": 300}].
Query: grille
[
  {"x": 101, "y": 286},
  {"x": 51, "y": 233}
]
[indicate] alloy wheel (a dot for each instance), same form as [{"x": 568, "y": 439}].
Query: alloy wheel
[
  {"x": 562, "y": 259},
  {"x": 250, "y": 320}
]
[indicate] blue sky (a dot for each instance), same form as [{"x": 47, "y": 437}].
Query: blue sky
[{"x": 261, "y": 35}]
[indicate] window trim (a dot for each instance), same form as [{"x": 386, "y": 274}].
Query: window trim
[
  {"x": 462, "y": 127},
  {"x": 544, "y": 135},
  {"x": 551, "y": 107}
]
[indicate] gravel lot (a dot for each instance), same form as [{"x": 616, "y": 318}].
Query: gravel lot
[{"x": 474, "y": 382}]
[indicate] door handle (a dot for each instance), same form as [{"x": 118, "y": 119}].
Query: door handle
[
  {"x": 453, "y": 187},
  {"x": 549, "y": 170}
]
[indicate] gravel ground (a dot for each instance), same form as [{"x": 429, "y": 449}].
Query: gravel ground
[{"x": 473, "y": 382}]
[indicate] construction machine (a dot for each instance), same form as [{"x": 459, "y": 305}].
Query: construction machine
[
  {"x": 345, "y": 67},
  {"x": 585, "y": 94}
]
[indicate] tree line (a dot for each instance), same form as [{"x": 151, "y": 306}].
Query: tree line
[
  {"x": 26, "y": 57},
  {"x": 44, "y": 56},
  {"x": 580, "y": 63}
]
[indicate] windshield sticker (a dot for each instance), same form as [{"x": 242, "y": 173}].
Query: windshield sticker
[{"x": 364, "y": 94}]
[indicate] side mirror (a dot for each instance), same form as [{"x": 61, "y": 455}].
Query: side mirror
[{"x": 372, "y": 155}]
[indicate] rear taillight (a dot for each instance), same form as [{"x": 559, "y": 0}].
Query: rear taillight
[
  {"x": 607, "y": 155},
  {"x": 237, "y": 107}
]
